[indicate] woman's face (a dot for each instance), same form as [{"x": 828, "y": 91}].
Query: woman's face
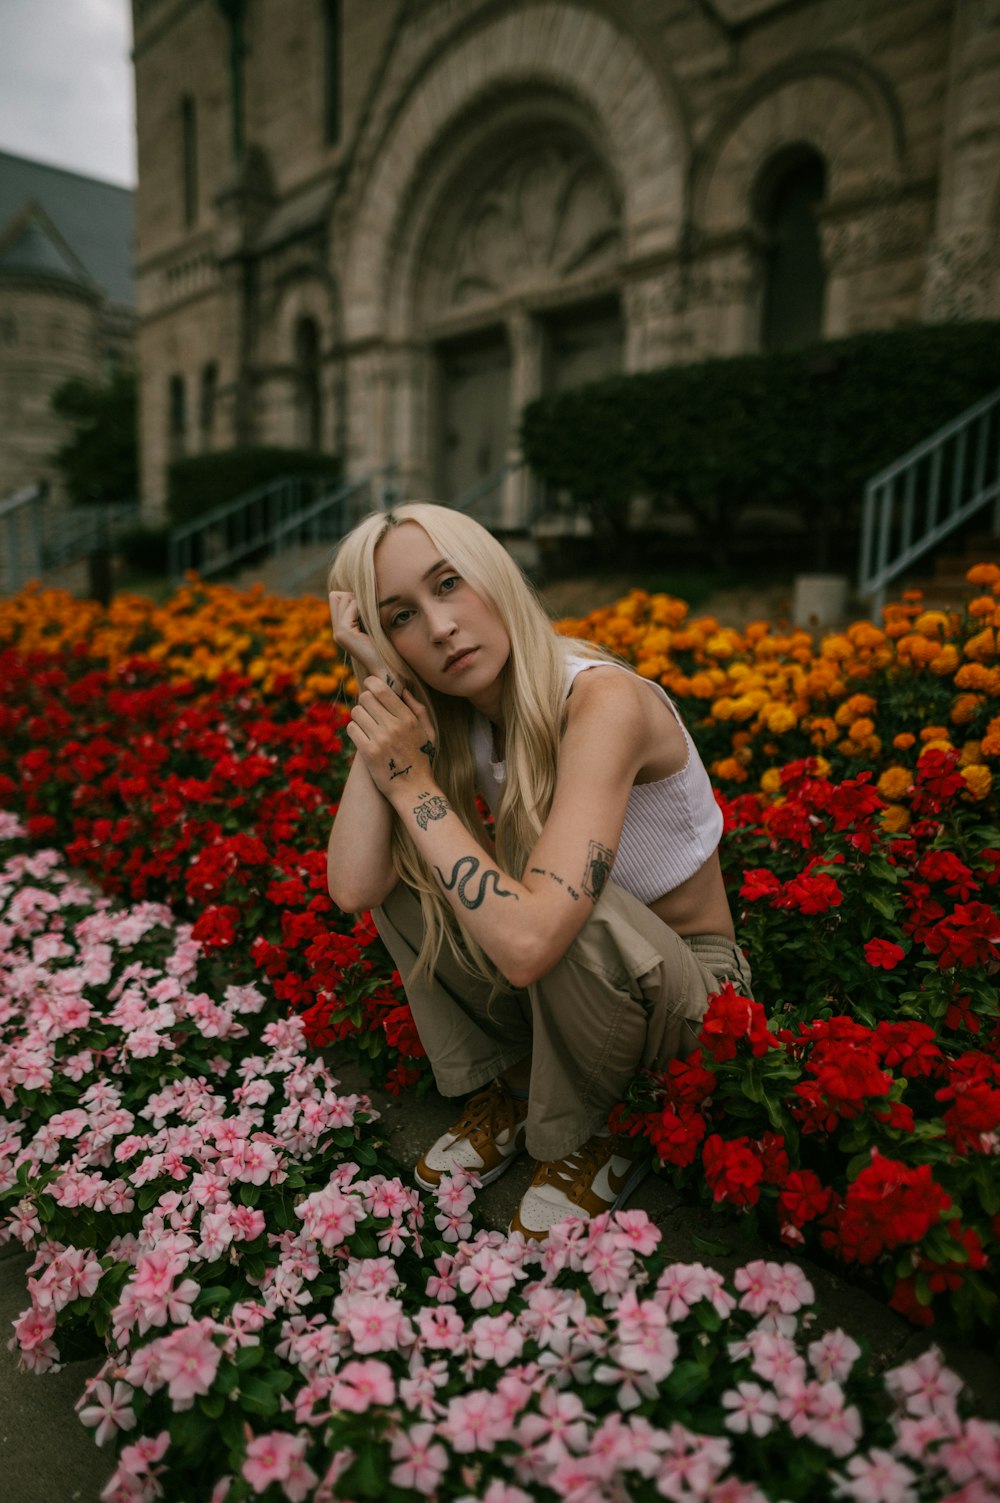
[{"x": 452, "y": 639}]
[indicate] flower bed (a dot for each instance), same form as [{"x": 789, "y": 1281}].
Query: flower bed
[
  {"x": 283, "y": 1317},
  {"x": 854, "y": 1109}
]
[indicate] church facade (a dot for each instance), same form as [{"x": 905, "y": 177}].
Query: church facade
[{"x": 380, "y": 227}]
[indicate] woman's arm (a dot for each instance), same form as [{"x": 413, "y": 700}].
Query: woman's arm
[
  {"x": 360, "y": 872},
  {"x": 525, "y": 926}
]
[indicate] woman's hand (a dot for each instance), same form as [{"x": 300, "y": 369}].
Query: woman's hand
[
  {"x": 350, "y": 635},
  {"x": 393, "y": 733}
]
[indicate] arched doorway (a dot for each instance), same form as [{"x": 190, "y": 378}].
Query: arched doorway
[
  {"x": 789, "y": 191},
  {"x": 308, "y": 394}
]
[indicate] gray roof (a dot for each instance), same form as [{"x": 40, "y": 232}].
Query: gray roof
[
  {"x": 95, "y": 219},
  {"x": 32, "y": 248}
]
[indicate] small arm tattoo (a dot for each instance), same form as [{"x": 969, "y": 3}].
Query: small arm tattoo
[
  {"x": 433, "y": 807},
  {"x": 430, "y": 751},
  {"x": 567, "y": 886},
  {"x": 462, "y": 873},
  {"x": 397, "y": 772},
  {"x": 600, "y": 860}
]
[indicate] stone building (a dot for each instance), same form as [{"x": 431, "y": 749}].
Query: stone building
[
  {"x": 381, "y": 226},
  {"x": 66, "y": 304}
]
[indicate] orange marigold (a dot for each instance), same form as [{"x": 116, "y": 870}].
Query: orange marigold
[
  {"x": 964, "y": 708},
  {"x": 904, "y": 741},
  {"x": 895, "y": 784},
  {"x": 944, "y": 663},
  {"x": 972, "y": 754},
  {"x": 975, "y": 676},
  {"x": 896, "y": 818},
  {"x": 983, "y": 574},
  {"x": 982, "y": 646},
  {"x": 853, "y": 708},
  {"x": 978, "y": 781},
  {"x": 934, "y": 733},
  {"x": 729, "y": 770},
  {"x": 862, "y": 730}
]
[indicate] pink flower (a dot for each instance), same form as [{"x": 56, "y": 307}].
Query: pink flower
[
  {"x": 925, "y": 1386},
  {"x": 836, "y": 1425},
  {"x": 753, "y": 1408},
  {"x": 140, "y": 1458},
  {"x": 877, "y": 1478},
  {"x": 474, "y": 1422},
  {"x": 834, "y": 1356},
  {"x": 495, "y": 1338},
  {"x": 358, "y": 1385},
  {"x": 107, "y": 1410},
  {"x": 279, "y": 1457},
  {"x": 420, "y": 1460},
  {"x": 188, "y": 1361},
  {"x": 646, "y": 1341},
  {"x": 487, "y": 1278}
]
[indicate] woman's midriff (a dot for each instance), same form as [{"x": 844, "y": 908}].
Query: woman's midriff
[{"x": 699, "y": 905}]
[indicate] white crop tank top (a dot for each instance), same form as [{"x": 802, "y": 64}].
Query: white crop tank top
[{"x": 671, "y": 826}]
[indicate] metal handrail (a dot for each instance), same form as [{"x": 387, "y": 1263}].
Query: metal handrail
[
  {"x": 39, "y": 538},
  {"x": 927, "y": 493},
  {"x": 249, "y": 519}
]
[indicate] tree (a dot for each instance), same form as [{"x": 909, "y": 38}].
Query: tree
[{"x": 100, "y": 462}]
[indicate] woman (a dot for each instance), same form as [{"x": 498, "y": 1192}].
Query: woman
[{"x": 546, "y": 966}]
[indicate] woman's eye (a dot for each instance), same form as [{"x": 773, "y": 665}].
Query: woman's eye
[
  {"x": 449, "y": 582},
  {"x": 400, "y": 618}
]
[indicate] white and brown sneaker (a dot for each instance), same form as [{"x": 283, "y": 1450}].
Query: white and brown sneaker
[
  {"x": 486, "y": 1139},
  {"x": 598, "y": 1177}
]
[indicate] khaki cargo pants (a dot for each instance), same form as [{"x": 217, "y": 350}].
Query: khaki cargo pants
[{"x": 628, "y": 994}]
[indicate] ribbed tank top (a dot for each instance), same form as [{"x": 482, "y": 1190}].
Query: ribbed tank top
[{"x": 671, "y": 826}]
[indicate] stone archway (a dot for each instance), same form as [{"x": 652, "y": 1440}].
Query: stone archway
[
  {"x": 846, "y": 116},
  {"x": 297, "y": 406},
  {"x": 540, "y": 48}
]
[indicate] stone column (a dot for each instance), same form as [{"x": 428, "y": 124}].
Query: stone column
[{"x": 525, "y": 339}]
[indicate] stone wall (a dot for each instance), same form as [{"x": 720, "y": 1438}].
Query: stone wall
[{"x": 524, "y": 189}]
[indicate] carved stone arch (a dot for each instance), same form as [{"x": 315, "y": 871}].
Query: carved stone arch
[
  {"x": 471, "y": 166},
  {"x": 827, "y": 102},
  {"x": 301, "y": 292},
  {"x": 550, "y": 48}
]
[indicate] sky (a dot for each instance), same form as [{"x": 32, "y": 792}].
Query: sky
[{"x": 66, "y": 85}]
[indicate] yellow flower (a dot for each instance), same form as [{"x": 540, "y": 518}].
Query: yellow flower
[
  {"x": 770, "y": 780},
  {"x": 895, "y": 783},
  {"x": 896, "y": 818},
  {"x": 944, "y": 662},
  {"x": 779, "y": 718},
  {"x": 978, "y": 781}
]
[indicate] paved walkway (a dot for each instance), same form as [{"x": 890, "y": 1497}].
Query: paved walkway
[{"x": 46, "y": 1455}]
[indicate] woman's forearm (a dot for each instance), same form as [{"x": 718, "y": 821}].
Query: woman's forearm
[{"x": 359, "y": 865}]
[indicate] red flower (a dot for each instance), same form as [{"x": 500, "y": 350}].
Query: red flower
[
  {"x": 401, "y": 1032},
  {"x": 731, "y": 1018},
  {"x": 848, "y": 1077},
  {"x": 811, "y": 894},
  {"x": 773, "y": 1158},
  {"x": 804, "y": 1197},
  {"x": 732, "y": 1169},
  {"x": 967, "y": 937},
  {"x": 944, "y": 866},
  {"x": 911, "y": 1045},
  {"x": 687, "y": 1080},
  {"x": 675, "y": 1134},
  {"x": 216, "y": 927},
  {"x": 759, "y": 883},
  {"x": 887, "y": 1205},
  {"x": 884, "y": 953}
]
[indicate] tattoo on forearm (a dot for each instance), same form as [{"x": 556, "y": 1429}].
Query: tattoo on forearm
[
  {"x": 397, "y": 772},
  {"x": 433, "y": 807},
  {"x": 430, "y": 751},
  {"x": 462, "y": 873},
  {"x": 566, "y": 886},
  {"x": 600, "y": 860}
]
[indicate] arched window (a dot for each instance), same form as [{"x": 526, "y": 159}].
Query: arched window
[
  {"x": 189, "y": 159},
  {"x": 789, "y": 191},
  {"x": 308, "y": 401},
  {"x": 176, "y": 417},
  {"x": 331, "y": 71},
  {"x": 207, "y": 404}
]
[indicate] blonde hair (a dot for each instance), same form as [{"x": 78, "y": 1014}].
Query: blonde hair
[{"x": 533, "y": 695}]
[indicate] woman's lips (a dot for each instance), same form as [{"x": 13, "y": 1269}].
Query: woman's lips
[{"x": 461, "y": 660}]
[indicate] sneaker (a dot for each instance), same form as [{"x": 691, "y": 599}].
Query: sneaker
[
  {"x": 487, "y": 1138},
  {"x": 598, "y": 1177}
]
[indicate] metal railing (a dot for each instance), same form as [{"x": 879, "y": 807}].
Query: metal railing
[
  {"x": 916, "y": 502},
  {"x": 39, "y": 537},
  {"x": 326, "y": 521},
  {"x": 235, "y": 531}
]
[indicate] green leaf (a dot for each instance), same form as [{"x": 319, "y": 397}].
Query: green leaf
[{"x": 711, "y": 1248}]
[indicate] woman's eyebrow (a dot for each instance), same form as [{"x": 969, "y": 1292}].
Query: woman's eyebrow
[{"x": 442, "y": 563}]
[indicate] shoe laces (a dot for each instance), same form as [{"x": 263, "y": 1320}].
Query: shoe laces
[
  {"x": 576, "y": 1168},
  {"x": 494, "y": 1110}
]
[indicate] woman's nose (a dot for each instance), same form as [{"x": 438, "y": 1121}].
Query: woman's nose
[{"x": 441, "y": 621}]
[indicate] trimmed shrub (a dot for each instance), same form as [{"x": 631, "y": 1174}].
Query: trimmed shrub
[
  {"x": 801, "y": 431},
  {"x": 143, "y": 550},
  {"x": 202, "y": 481}
]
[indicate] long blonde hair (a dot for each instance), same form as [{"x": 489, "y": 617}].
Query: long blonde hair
[{"x": 533, "y": 696}]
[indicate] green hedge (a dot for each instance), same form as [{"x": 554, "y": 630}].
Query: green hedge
[
  {"x": 801, "y": 431},
  {"x": 202, "y": 481}
]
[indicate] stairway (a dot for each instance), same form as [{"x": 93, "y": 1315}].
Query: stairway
[{"x": 946, "y": 587}]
